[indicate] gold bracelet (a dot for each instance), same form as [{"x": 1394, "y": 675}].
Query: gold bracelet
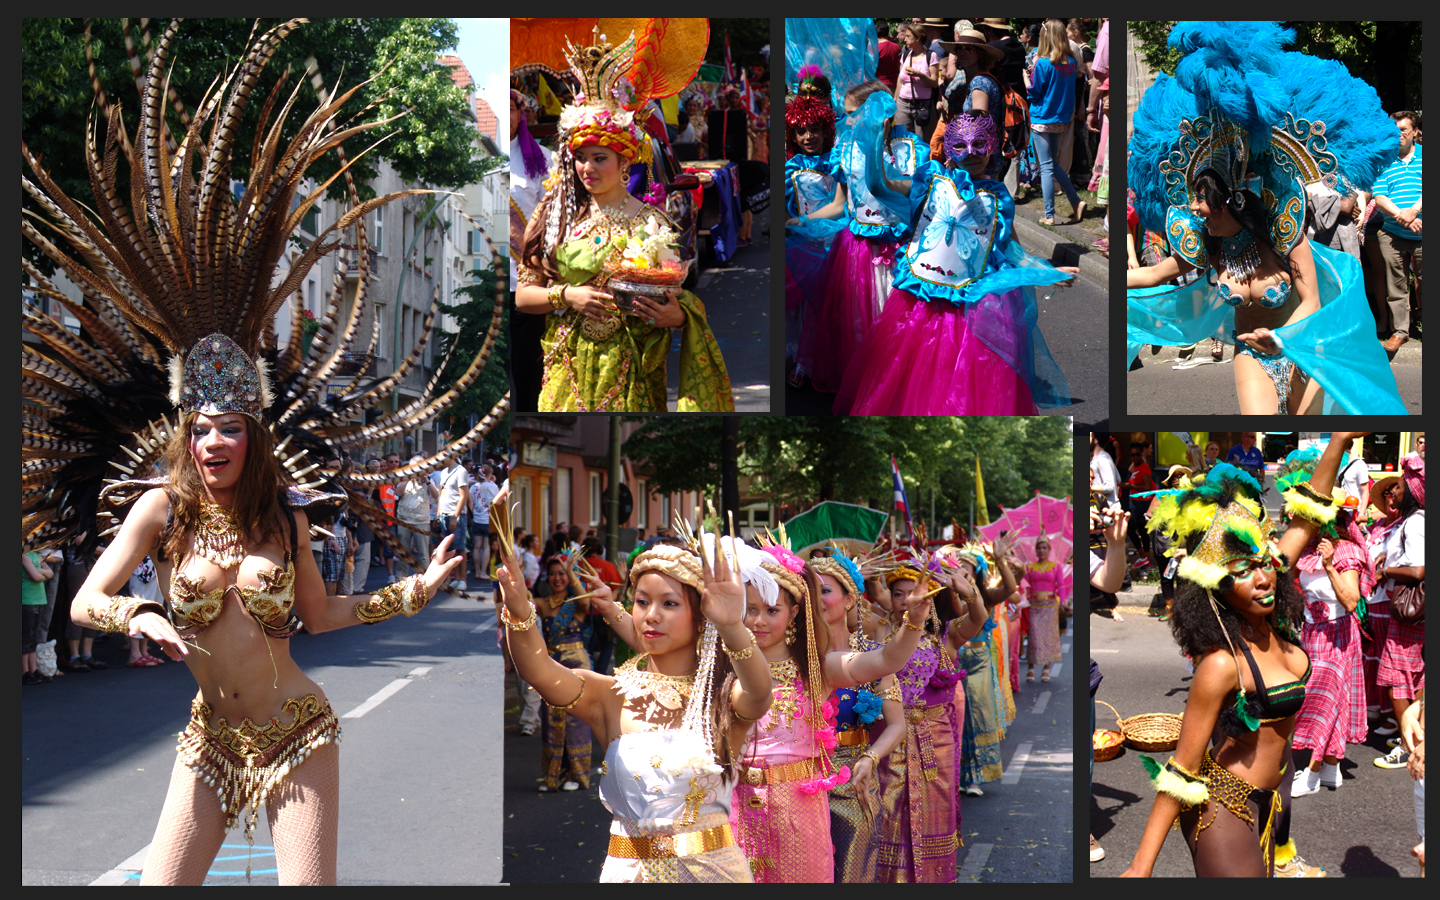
[
  {"x": 405, "y": 597},
  {"x": 873, "y": 758},
  {"x": 512, "y": 624},
  {"x": 744, "y": 653},
  {"x": 616, "y": 623},
  {"x": 912, "y": 627},
  {"x": 736, "y": 713},
  {"x": 115, "y": 617},
  {"x": 556, "y": 295},
  {"x": 571, "y": 704}
]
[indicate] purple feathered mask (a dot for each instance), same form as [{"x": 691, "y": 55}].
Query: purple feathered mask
[{"x": 969, "y": 135}]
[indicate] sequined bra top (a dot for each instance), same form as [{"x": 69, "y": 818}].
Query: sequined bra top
[
  {"x": 1275, "y": 295},
  {"x": 270, "y": 603}
]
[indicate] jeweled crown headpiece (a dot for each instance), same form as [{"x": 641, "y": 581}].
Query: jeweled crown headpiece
[
  {"x": 1227, "y": 511},
  {"x": 217, "y": 377},
  {"x": 604, "y": 110}
]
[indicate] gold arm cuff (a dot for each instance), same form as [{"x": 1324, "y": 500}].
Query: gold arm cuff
[
  {"x": 893, "y": 693},
  {"x": 405, "y": 597},
  {"x": 526, "y": 275},
  {"x": 571, "y": 705},
  {"x": 660, "y": 846},
  {"x": 744, "y": 653},
  {"x": 511, "y": 624},
  {"x": 115, "y": 617}
]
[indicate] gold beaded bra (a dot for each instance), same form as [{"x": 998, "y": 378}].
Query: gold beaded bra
[{"x": 270, "y": 602}]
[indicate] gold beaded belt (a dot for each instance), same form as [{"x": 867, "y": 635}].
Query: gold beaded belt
[
  {"x": 921, "y": 713},
  {"x": 1054, "y": 599},
  {"x": 568, "y": 645},
  {"x": 855, "y": 737},
  {"x": 805, "y": 768},
  {"x": 690, "y": 843}
]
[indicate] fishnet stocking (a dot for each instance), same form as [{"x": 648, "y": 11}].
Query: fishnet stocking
[
  {"x": 190, "y": 832},
  {"x": 303, "y": 812},
  {"x": 304, "y": 816}
]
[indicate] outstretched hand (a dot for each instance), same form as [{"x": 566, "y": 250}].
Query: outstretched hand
[
  {"x": 723, "y": 599},
  {"x": 1262, "y": 339},
  {"x": 444, "y": 564}
]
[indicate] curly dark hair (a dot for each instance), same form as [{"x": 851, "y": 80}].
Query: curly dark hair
[{"x": 1196, "y": 630}]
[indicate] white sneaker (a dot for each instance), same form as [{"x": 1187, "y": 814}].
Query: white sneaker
[
  {"x": 1395, "y": 759},
  {"x": 1387, "y": 729},
  {"x": 1307, "y": 781},
  {"x": 570, "y": 786},
  {"x": 1330, "y": 775}
]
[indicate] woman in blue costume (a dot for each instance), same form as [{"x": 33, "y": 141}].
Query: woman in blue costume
[
  {"x": 814, "y": 207},
  {"x": 959, "y": 334},
  {"x": 856, "y": 276},
  {"x": 1295, "y": 310}
]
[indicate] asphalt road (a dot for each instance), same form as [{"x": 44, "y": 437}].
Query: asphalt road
[
  {"x": 418, "y": 797},
  {"x": 1158, "y": 388},
  {"x": 1020, "y": 830},
  {"x": 1075, "y": 324},
  {"x": 1365, "y": 828},
  {"x": 737, "y": 303}
]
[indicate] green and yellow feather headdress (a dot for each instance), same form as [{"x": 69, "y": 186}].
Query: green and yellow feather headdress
[{"x": 1226, "y": 509}]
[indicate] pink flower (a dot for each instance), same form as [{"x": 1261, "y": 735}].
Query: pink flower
[{"x": 784, "y": 557}]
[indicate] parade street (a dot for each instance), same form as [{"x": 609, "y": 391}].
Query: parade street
[
  {"x": 1158, "y": 388},
  {"x": 1363, "y": 829},
  {"x": 1020, "y": 830},
  {"x": 1074, "y": 322},
  {"x": 737, "y": 305},
  {"x": 419, "y": 705}
]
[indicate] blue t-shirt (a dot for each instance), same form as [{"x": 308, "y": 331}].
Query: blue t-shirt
[{"x": 1250, "y": 460}]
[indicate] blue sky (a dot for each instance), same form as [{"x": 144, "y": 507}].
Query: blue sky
[{"x": 485, "y": 50}]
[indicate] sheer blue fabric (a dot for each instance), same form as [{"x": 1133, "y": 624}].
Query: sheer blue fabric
[
  {"x": 846, "y": 50},
  {"x": 876, "y": 211},
  {"x": 962, "y": 250},
  {"x": 1335, "y": 346},
  {"x": 810, "y": 183}
]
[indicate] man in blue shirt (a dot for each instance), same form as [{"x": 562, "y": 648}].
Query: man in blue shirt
[
  {"x": 1246, "y": 455},
  {"x": 1397, "y": 194}
]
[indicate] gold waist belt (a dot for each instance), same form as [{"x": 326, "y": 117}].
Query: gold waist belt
[
  {"x": 1233, "y": 792},
  {"x": 1042, "y": 595},
  {"x": 568, "y": 645},
  {"x": 929, "y": 769},
  {"x": 921, "y": 713},
  {"x": 805, "y": 768},
  {"x": 855, "y": 737},
  {"x": 690, "y": 843},
  {"x": 244, "y": 764}
]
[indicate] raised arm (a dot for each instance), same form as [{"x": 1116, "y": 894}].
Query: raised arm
[
  {"x": 1168, "y": 269},
  {"x": 846, "y": 668},
  {"x": 723, "y": 603},
  {"x": 1322, "y": 481},
  {"x": 405, "y": 597},
  {"x": 97, "y": 603}
]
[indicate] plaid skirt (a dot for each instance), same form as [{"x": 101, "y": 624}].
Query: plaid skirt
[
  {"x": 1401, "y": 667},
  {"x": 1334, "y": 710}
]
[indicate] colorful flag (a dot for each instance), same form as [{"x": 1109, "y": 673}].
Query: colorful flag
[
  {"x": 548, "y": 99},
  {"x": 981, "y": 515},
  {"x": 901, "y": 503},
  {"x": 729, "y": 67}
]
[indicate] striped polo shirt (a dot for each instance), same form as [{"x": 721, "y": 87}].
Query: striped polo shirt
[{"x": 1401, "y": 183}]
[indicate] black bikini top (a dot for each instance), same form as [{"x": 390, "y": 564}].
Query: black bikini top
[{"x": 1266, "y": 704}]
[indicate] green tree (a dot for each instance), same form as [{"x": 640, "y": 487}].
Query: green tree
[
  {"x": 473, "y": 315},
  {"x": 747, "y": 36},
  {"x": 433, "y": 144}
]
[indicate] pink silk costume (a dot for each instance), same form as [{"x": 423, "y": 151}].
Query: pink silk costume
[
  {"x": 916, "y": 831},
  {"x": 1044, "y": 580},
  {"x": 784, "y": 828}
]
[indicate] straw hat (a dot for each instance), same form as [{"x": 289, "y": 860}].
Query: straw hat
[
  {"x": 998, "y": 24},
  {"x": 976, "y": 41}
]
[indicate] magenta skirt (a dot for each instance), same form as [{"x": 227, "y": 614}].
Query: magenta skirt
[
  {"x": 922, "y": 360},
  {"x": 840, "y": 318}
]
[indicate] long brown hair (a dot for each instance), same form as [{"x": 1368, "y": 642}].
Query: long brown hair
[
  {"x": 809, "y": 610},
  {"x": 257, "y": 498},
  {"x": 721, "y": 717}
]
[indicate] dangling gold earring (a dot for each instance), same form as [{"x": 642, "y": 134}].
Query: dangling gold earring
[{"x": 790, "y": 633}]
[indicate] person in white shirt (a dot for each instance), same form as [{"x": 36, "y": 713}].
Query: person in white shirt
[
  {"x": 452, "y": 503},
  {"x": 1104, "y": 476},
  {"x": 482, "y": 490},
  {"x": 1354, "y": 478}
]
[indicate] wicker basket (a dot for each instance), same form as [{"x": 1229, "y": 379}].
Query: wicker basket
[
  {"x": 1103, "y": 754},
  {"x": 1149, "y": 731}
]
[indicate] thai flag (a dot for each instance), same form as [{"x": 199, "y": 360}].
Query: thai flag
[{"x": 901, "y": 504}]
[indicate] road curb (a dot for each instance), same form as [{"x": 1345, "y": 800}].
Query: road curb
[{"x": 1053, "y": 246}]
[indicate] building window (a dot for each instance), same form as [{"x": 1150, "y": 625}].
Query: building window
[
  {"x": 640, "y": 504},
  {"x": 380, "y": 230},
  {"x": 664, "y": 512},
  {"x": 311, "y": 220},
  {"x": 595, "y": 498},
  {"x": 562, "y": 495},
  {"x": 310, "y": 297}
]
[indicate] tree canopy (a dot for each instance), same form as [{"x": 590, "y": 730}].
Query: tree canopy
[
  {"x": 799, "y": 461},
  {"x": 472, "y": 314},
  {"x": 433, "y": 144}
]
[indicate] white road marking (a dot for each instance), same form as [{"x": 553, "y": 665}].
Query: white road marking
[
  {"x": 484, "y": 626},
  {"x": 975, "y": 862},
  {"x": 704, "y": 281},
  {"x": 1093, "y": 650},
  {"x": 1040, "y": 703},
  {"x": 1017, "y": 764},
  {"x": 120, "y": 874},
  {"x": 1065, "y": 648},
  {"x": 385, "y": 693},
  {"x": 1055, "y": 669}
]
